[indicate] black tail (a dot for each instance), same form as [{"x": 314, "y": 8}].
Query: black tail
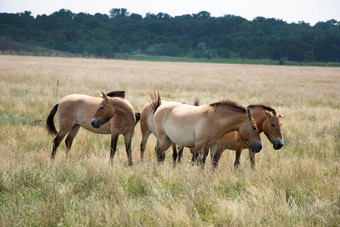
[
  {"x": 49, "y": 121},
  {"x": 120, "y": 94},
  {"x": 137, "y": 117},
  {"x": 197, "y": 102},
  {"x": 155, "y": 100}
]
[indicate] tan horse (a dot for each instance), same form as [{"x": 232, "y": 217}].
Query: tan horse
[
  {"x": 201, "y": 126},
  {"x": 147, "y": 127},
  {"x": 75, "y": 111},
  {"x": 267, "y": 121}
]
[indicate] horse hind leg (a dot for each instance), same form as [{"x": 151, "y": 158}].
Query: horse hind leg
[
  {"x": 163, "y": 143},
  {"x": 180, "y": 153},
  {"x": 127, "y": 139},
  {"x": 60, "y": 136},
  {"x": 143, "y": 144},
  {"x": 174, "y": 153},
  {"x": 69, "y": 139}
]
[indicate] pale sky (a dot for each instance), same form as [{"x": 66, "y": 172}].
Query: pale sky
[{"x": 309, "y": 11}]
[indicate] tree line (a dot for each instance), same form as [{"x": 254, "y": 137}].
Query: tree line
[{"x": 193, "y": 35}]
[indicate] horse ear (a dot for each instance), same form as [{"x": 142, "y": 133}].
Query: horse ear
[
  {"x": 249, "y": 114},
  {"x": 280, "y": 115},
  {"x": 268, "y": 113},
  {"x": 104, "y": 96}
]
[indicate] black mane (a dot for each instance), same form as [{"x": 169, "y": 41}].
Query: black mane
[
  {"x": 229, "y": 103},
  {"x": 268, "y": 108},
  {"x": 120, "y": 94}
]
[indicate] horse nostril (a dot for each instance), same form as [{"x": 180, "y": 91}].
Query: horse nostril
[
  {"x": 278, "y": 144},
  {"x": 257, "y": 147}
]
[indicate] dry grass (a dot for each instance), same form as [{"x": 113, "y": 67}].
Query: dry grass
[{"x": 298, "y": 185}]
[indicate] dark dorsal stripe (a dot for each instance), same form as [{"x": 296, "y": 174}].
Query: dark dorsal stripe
[
  {"x": 120, "y": 94},
  {"x": 229, "y": 103},
  {"x": 268, "y": 108}
]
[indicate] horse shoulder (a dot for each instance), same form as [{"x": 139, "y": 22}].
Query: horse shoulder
[{"x": 229, "y": 141}]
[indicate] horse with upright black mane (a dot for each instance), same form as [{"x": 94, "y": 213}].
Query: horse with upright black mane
[
  {"x": 147, "y": 128},
  {"x": 201, "y": 126},
  {"x": 113, "y": 115},
  {"x": 267, "y": 121}
]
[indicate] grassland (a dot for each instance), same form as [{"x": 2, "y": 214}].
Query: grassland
[{"x": 298, "y": 185}]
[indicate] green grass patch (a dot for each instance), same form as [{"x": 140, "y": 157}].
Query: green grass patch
[{"x": 13, "y": 119}]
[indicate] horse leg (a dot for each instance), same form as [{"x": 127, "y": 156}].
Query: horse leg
[
  {"x": 69, "y": 139},
  {"x": 180, "y": 153},
  {"x": 216, "y": 159},
  {"x": 127, "y": 138},
  {"x": 206, "y": 152},
  {"x": 174, "y": 152},
  {"x": 237, "y": 158},
  {"x": 114, "y": 139},
  {"x": 145, "y": 137},
  {"x": 213, "y": 153},
  {"x": 163, "y": 143},
  {"x": 252, "y": 159},
  {"x": 60, "y": 136}
]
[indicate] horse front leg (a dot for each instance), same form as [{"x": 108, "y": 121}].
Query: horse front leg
[
  {"x": 60, "y": 136},
  {"x": 127, "y": 138},
  {"x": 237, "y": 158},
  {"x": 215, "y": 156},
  {"x": 200, "y": 150},
  {"x": 114, "y": 139},
  {"x": 252, "y": 158}
]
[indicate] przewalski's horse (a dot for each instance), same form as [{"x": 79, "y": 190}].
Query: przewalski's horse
[
  {"x": 75, "y": 111},
  {"x": 201, "y": 126},
  {"x": 267, "y": 121},
  {"x": 147, "y": 127}
]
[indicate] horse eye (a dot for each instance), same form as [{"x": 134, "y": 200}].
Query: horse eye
[
  {"x": 102, "y": 107},
  {"x": 273, "y": 125},
  {"x": 254, "y": 128}
]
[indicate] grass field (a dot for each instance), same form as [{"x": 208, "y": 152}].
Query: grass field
[{"x": 298, "y": 185}]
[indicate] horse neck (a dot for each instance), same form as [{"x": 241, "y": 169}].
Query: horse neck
[
  {"x": 122, "y": 107},
  {"x": 231, "y": 120}
]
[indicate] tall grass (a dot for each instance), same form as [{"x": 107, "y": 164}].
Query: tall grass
[{"x": 298, "y": 185}]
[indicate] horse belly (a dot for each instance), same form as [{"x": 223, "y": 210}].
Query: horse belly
[{"x": 183, "y": 136}]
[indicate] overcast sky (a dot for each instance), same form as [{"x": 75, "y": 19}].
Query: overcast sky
[{"x": 309, "y": 11}]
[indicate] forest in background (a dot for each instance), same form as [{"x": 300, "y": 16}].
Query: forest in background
[{"x": 193, "y": 35}]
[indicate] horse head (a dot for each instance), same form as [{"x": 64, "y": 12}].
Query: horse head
[
  {"x": 104, "y": 113},
  {"x": 271, "y": 127},
  {"x": 250, "y": 134}
]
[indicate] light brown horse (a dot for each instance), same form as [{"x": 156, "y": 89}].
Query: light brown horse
[
  {"x": 147, "y": 127},
  {"x": 75, "y": 111},
  {"x": 201, "y": 126},
  {"x": 267, "y": 121}
]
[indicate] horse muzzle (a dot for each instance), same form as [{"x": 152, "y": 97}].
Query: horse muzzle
[
  {"x": 277, "y": 144},
  {"x": 256, "y": 147},
  {"x": 95, "y": 123}
]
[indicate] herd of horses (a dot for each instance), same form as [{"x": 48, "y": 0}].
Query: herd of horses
[{"x": 202, "y": 128}]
